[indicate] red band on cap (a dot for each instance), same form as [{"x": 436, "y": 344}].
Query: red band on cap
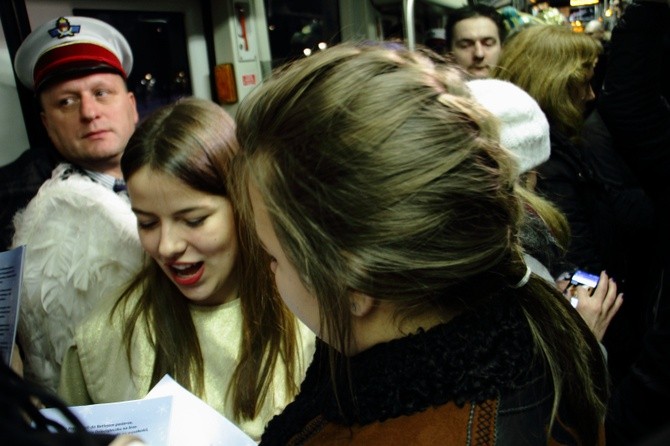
[{"x": 76, "y": 53}]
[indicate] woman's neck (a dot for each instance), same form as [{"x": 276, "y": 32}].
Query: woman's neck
[{"x": 380, "y": 325}]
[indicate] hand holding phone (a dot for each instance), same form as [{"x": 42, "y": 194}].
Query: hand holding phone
[
  {"x": 583, "y": 279},
  {"x": 597, "y": 305}
]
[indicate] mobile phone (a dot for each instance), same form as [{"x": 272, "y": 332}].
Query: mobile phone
[
  {"x": 588, "y": 280},
  {"x": 582, "y": 278}
]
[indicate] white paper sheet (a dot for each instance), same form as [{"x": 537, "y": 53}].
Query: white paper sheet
[
  {"x": 169, "y": 415},
  {"x": 148, "y": 419},
  {"x": 194, "y": 422},
  {"x": 11, "y": 272}
]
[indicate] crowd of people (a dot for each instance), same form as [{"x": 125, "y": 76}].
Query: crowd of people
[{"x": 380, "y": 244}]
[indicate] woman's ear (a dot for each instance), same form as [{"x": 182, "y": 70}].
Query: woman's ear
[{"x": 361, "y": 304}]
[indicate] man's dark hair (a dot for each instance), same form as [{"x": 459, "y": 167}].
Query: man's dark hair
[{"x": 471, "y": 11}]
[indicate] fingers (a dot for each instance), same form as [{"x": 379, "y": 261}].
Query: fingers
[
  {"x": 611, "y": 310},
  {"x": 604, "y": 298},
  {"x": 610, "y": 294},
  {"x": 562, "y": 284},
  {"x": 16, "y": 362},
  {"x": 127, "y": 440},
  {"x": 581, "y": 292},
  {"x": 598, "y": 309},
  {"x": 611, "y": 300},
  {"x": 603, "y": 286}
]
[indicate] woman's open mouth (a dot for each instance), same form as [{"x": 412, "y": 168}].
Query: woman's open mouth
[{"x": 187, "y": 273}]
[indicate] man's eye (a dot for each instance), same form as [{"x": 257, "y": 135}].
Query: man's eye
[{"x": 65, "y": 102}]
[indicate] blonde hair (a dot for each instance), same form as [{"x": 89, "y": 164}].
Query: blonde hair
[{"x": 553, "y": 64}]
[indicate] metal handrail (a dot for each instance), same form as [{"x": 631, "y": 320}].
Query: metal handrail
[{"x": 408, "y": 11}]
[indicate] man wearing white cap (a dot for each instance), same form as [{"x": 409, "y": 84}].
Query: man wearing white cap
[
  {"x": 71, "y": 63},
  {"x": 79, "y": 230}
]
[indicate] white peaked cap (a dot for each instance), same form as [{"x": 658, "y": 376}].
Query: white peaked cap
[{"x": 71, "y": 45}]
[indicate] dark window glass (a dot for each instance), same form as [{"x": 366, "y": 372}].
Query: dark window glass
[
  {"x": 298, "y": 27},
  {"x": 160, "y": 73}
]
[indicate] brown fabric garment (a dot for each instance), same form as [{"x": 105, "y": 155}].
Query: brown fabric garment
[{"x": 447, "y": 425}]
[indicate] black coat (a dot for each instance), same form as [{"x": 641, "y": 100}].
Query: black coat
[
  {"x": 567, "y": 180},
  {"x": 19, "y": 182},
  {"x": 634, "y": 102},
  {"x": 481, "y": 355},
  {"x": 634, "y": 105}
]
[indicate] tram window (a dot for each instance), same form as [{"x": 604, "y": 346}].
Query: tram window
[
  {"x": 430, "y": 20},
  {"x": 160, "y": 73},
  {"x": 297, "y": 28}
]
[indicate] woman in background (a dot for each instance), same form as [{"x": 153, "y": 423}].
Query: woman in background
[
  {"x": 555, "y": 66},
  {"x": 204, "y": 308},
  {"x": 544, "y": 232}
]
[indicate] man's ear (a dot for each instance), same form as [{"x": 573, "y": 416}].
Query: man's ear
[{"x": 361, "y": 304}]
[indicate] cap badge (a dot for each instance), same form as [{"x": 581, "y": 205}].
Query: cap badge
[{"x": 64, "y": 29}]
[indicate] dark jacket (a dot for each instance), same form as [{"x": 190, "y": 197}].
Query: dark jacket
[
  {"x": 631, "y": 204},
  {"x": 19, "y": 182},
  {"x": 567, "y": 180},
  {"x": 634, "y": 99},
  {"x": 634, "y": 102},
  {"x": 457, "y": 383},
  {"x": 634, "y": 105},
  {"x": 612, "y": 226},
  {"x": 633, "y": 412},
  {"x": 637, "y": 269}
]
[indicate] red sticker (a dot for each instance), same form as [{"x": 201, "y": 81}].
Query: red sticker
[{"x": 248, "y": 79}]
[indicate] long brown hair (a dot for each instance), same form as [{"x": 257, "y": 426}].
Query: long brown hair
[
  {"x": 194, "y": 140},
  {"x": 382, "y": 176}
]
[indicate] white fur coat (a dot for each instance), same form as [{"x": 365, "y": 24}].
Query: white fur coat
[{"x": 81, "y": 246}]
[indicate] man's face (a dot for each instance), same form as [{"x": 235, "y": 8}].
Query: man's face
[
  {"x": 90, "y": 120},
  {"x": 476, "y": 45}
]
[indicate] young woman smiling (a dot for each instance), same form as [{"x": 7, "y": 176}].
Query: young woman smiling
[{"x": 204, "y": 308}]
